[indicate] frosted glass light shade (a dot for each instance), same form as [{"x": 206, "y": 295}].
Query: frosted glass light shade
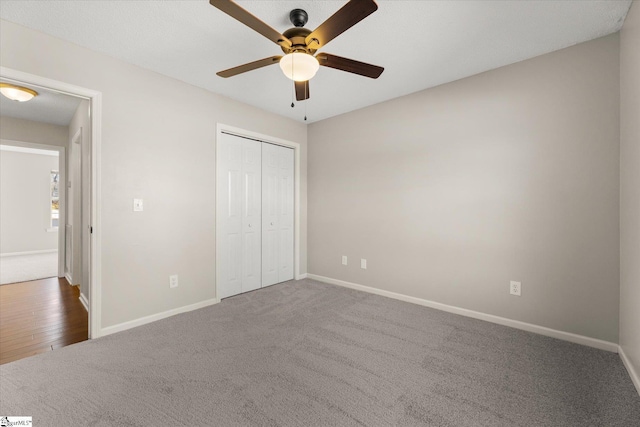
[
  {"x": 17, "y": 93},
  {"x": 299, "y": 66}
]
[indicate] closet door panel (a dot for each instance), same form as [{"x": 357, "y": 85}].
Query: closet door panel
[
  {"x": 251, "y": 214},
  {"x": 229, "y": 187},
  {"x": 270, "y": 241},
  {"x": 286, "y": 213}
]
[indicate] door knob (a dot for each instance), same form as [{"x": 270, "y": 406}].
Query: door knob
[
  {"x": 271, "y": 223},
  {"x": 249, "y": 225}
]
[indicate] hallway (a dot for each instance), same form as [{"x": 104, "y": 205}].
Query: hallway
[{"x": 39, "y": 316}]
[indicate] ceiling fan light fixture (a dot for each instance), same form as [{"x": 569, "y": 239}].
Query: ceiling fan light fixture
[
  {"x": 17, "y": 93},
  {"x": 299, "y": 66}
]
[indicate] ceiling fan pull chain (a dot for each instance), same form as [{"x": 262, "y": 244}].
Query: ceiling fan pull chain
[
  {"x": 293, "y": 88},
  {"x": 306, "y": 100}
]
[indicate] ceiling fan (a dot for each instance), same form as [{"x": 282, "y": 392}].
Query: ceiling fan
[{"x": 301, "y": 62}]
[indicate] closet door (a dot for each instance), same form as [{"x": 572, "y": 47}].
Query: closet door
[
  {"x": 277, "y": 214},
  {"x": 239, "y": 211}
]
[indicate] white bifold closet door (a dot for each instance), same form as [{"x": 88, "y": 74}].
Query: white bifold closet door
[
  {"x": 277, "y": 214},
  {"x": 239, "y": 189},
  {"x": 255, "y": 186}
]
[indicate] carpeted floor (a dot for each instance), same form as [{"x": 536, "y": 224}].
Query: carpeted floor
[
  {"x": 310, "y": 354},
  {"x": 23, "y": 268}
]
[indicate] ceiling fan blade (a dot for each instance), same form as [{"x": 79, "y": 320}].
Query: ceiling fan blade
[
  {"x": 232, "y": 9},
  {"x": 302, "y": 90},
  {"x": 249, "y": 66},
  {"x": 348, "y": 16},
  {"x": 349, "y": 65}
]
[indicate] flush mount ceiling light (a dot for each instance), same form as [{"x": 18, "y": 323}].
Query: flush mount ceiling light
[
  {"x": 299, "y": 66},
  {"x": 17, "y": 93}
]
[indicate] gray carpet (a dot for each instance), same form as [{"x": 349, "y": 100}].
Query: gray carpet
[{"x": 310, "y": 354}]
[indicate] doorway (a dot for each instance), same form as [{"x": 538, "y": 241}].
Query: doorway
[
  {"x": 91, "y": 157},
  {"x": 32, "y": 200}
]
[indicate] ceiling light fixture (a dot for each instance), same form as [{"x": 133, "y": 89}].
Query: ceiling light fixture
[
  {"x": 299, "y": 66},
  {"x": 17, "y": 93}
]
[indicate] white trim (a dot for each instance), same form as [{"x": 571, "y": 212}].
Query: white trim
[
  {"x": 52, "y": 229},
  {"x": 95, "y": 97},
  {"x": 46, "y": 251},
  {"x": 635, "y": 378},
  {"x": 273, "y": 140},
  {"x": 154, "y": 317},
  {"x": 29, "y": 150},
  {"x": 84, "y": 301},
  {"x": 69, "y": 279},
  {"x": 542, "y": 330},
  {"x": 301, "y": 276}
]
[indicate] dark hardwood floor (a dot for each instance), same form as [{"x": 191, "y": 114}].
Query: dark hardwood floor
[{"x": 38, "y": 316}]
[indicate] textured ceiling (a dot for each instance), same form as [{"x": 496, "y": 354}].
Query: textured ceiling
[
  {"x": 421, "y": 44},
  {"x": 48, "y": 107}
]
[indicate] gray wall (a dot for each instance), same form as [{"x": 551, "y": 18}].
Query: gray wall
[
  {"x": 452, "y": 192},
  {"x": 158, "y": 144},
  {"x": 25, "y": 202},
  {"x": 630, "y": 186},
  {"x": 30, "y": 131}
]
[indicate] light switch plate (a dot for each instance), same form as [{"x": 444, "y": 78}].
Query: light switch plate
[
  {"x": 137, "y": 205},
  {"x": 363, "y": 264},
  {"x": 344, "y": 260}
]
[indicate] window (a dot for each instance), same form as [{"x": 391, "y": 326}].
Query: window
[{"x": 55, "y": 199}]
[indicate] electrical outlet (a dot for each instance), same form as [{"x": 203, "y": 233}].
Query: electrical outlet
[
  {"x": 344, "y": 260},
  {"x": 363, "y": 264},
  {"x": 173, "y": 281},
  {"x": 137, "y": 205},
  {"x": 515, "y": 288}
]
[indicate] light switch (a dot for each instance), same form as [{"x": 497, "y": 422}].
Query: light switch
[{"x": 137, "y": 205}]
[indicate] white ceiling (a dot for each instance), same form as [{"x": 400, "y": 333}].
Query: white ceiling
[
  {"x": 421, "y": 44},
  {"x": 48, "y": 107}
]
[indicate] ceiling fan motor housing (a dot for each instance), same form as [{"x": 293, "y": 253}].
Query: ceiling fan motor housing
[
  {"x": 298, "y": 17},
  {"x": 297, "y": 36}
]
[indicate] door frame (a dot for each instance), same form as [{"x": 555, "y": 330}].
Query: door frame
[
  {"x": 243, "y": 133},
  {"x": 95, "y": 249},
  {"x": 62, "y": 171}
]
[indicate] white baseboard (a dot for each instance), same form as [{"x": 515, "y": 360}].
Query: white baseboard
[
  {"x": 154, "y": 317},
  {"x": 542, "y": 330},
  {"x": 635, "y": 378},
  {"x": 84, "y": 301},
  {"x": 47, "y": 251},
  {"x": 69, "y": 279},
  {"x": 301, "y": 276}
]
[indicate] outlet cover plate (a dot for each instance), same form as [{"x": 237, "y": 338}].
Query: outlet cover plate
[
  {"x": 515, "y": 288},
  {"x": 173, "y": 281}
]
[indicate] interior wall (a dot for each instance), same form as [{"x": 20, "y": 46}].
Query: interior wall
[
  {"x": 630, "y": 187},
  {"x": 25, "y": 202},
  {"x": 452, "y": 192},
  {"x": 81, "y": 120},
  {"x": 31, "y": 131},
  {"x": 158, "y": 144}
]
